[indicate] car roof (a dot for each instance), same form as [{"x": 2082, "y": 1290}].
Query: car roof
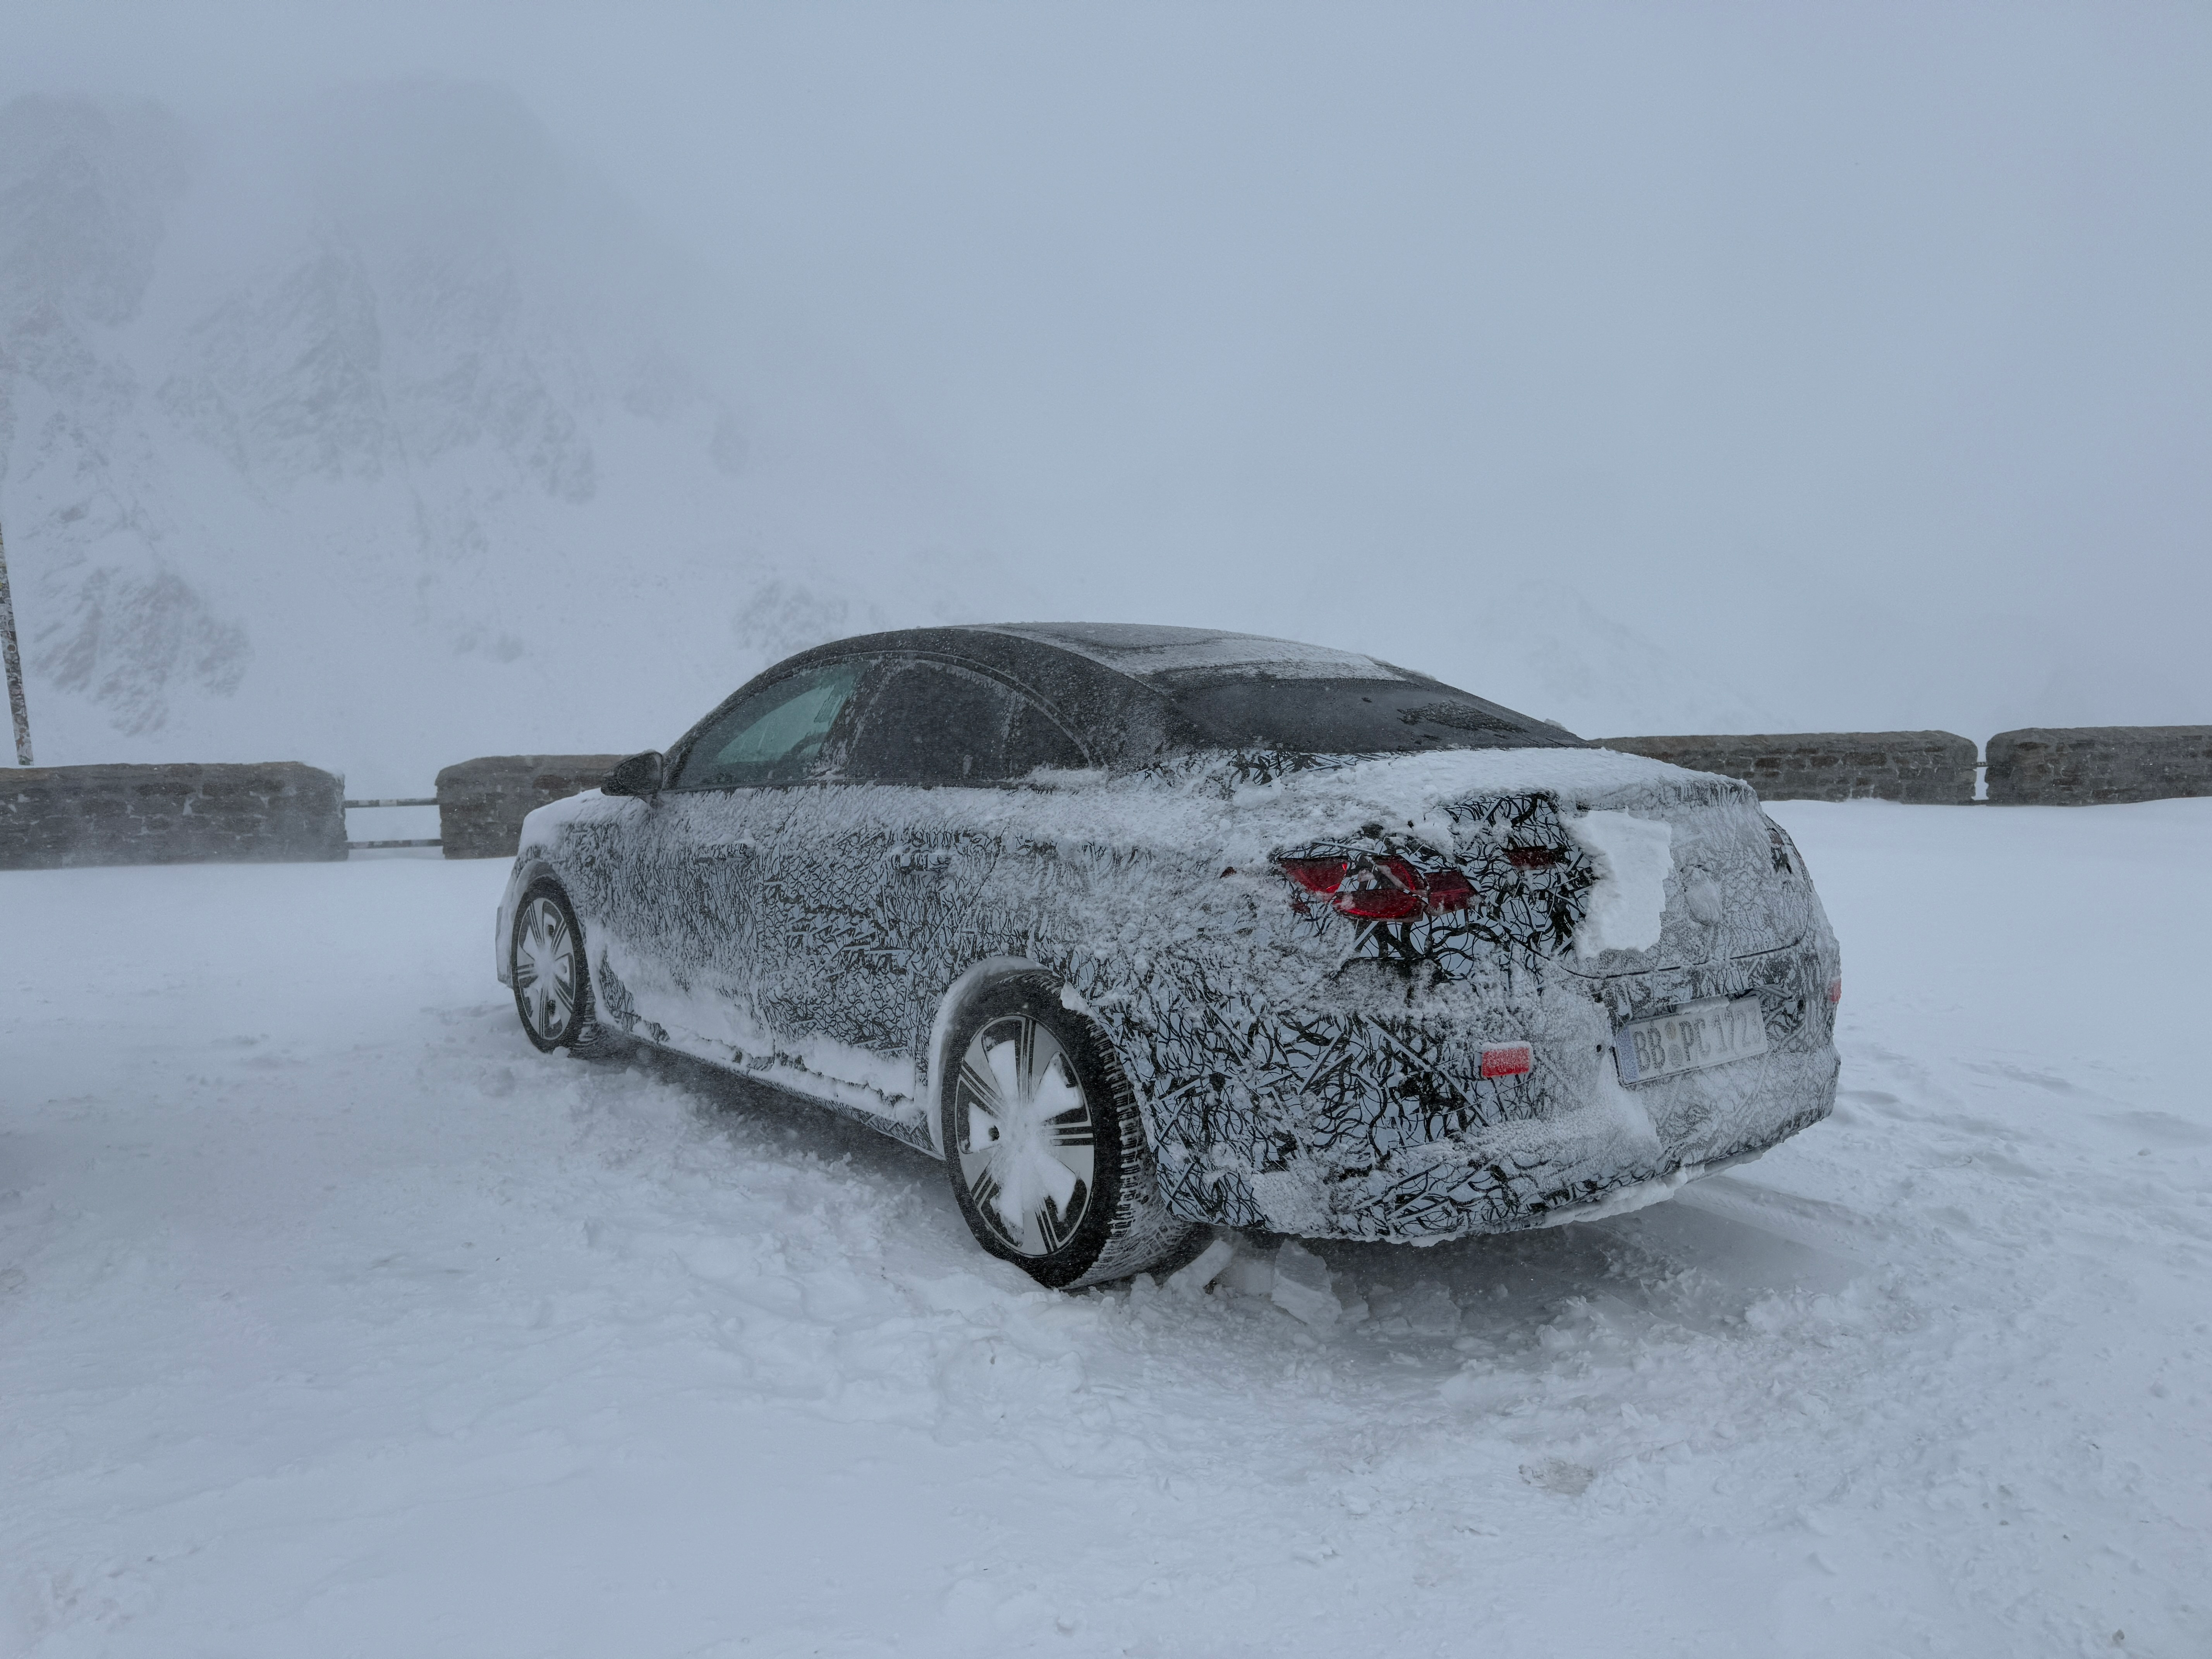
[
  {"x": 1136, "y": 692},
  {"x": 1170, "y": 656}
]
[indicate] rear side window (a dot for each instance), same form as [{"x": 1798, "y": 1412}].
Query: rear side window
[
  {"x": 1351, "y": 717},
  {"x": 780, "y": 733},
  {"x": 936, "y": 723},
  {"x": 1035, "y": 739}
]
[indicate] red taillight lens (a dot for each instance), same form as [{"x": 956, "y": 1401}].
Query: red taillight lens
[
  {"x": 1509, "y": 1060},
  {"x": 1321, "y": 875},
  {"x": 1835, "y": 990},
  {"x": 1388, "y": 889},
  {"x": 1534, "y": 858},
  {"x": 1451, "y": 890},
  {"x": 1383, "y": 889},
  {"x": 1380, "y": 904}
]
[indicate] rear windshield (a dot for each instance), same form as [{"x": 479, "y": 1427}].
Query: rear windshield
[{"x": 1352, "y": 717}]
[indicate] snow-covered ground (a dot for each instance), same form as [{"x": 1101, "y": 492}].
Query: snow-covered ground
[{"x": 334, "y": 1319}]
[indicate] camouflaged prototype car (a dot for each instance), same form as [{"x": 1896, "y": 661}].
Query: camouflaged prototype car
[{"x": 1141, "y": 929}]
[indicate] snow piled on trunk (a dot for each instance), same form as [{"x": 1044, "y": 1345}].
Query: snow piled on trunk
[
  {"x": 334, "y": 1319},
  {"x": 1634, "y": 857}
]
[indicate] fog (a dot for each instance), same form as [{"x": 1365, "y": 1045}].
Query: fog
[{"x": 1656, "y": 369}]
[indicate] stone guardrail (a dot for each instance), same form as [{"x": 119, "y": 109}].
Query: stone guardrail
[
  {"x": 1934, "y": 767},
  {"x": 2099, "y": 765},
  {"x": 56, "y": 818},
  {"x": 481, "y": 803}
]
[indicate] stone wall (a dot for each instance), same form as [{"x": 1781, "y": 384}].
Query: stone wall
[
  {"x": 1930, "y": 767},
  {"x": 54, "y": 817},
  {"x": 481, "y": 803},
  {"x": 2092, "y": 765}
]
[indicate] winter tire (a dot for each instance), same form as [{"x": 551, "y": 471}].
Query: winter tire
[
  {"x": 545, "y": 960},
  {"x": 1045, "y": 1145}
]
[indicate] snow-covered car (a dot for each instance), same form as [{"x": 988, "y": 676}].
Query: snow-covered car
[{"x": 1145, "y": 929}]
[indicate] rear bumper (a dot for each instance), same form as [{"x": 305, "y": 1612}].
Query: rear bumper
[
  {"x": 1369, "y": 1121},
  {"x": 1619, "y": 1149}
]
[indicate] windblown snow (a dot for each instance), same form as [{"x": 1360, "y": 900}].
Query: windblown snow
[
  {"x": 383, "y": 434},
  {"x": 335, "y": 1319}
]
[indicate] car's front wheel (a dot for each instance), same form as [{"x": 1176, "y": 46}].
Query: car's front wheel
[
  {"x": 1045, "y": 1144},
  {"x": 545, "y": 963}
]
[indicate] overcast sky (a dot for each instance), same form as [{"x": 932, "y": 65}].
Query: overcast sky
[{"x": 1860, "y": 353}]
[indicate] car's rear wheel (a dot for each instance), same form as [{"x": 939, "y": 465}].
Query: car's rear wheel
[
  {"x": 1045, "y": 1144},
  {"x": 545, "y": 962}
]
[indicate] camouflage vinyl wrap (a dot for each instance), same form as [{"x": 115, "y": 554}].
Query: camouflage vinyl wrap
[{"x": 1299, "y": 1068}]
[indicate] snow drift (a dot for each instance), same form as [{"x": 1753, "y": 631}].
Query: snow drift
[{"x": 334, "y": 1319}]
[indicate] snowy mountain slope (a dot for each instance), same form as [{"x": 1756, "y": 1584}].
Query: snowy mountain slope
[
  {"x": 383, "y": 436},
  {"x": 380, "y": 435},
  {"x": 335, "y": 1319}
]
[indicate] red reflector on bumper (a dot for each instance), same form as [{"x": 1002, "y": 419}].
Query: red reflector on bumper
[{"x": 1508, "y": 1060}]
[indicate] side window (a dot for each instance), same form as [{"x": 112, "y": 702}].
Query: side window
[
  {"x": 780, "y": 734},
  {"x": 1033, "y": 739},
  {"x": 934, "y": 723}
]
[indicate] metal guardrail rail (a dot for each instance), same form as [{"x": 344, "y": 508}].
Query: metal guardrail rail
[{"x": 396, "y": 800}]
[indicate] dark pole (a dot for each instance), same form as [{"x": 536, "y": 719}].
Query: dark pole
[{"x": 14, "y": 666}]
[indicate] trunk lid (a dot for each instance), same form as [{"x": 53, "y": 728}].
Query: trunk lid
[
  {"x": 1608, "y": 864},
  {"x": 1690, "y": 871}
]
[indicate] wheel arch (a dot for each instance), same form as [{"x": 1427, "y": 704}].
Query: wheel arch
[
  {"x": 1137, "y": 1231},
  {"x": 526, "y": 873},
  {"x": 974, "y": 980}
]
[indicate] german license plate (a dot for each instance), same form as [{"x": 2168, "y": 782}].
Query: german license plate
[{"x": 1695, "y": 1035}]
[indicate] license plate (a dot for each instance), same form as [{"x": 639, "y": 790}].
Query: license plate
[{"x": 1695, "y": 1035}]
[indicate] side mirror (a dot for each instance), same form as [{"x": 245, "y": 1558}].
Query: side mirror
[{"x": 638, "y": 776}]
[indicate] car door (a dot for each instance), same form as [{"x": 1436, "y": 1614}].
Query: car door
[
  {"x": 881, "y": 868},
  {"x": 707, "y": 939}
]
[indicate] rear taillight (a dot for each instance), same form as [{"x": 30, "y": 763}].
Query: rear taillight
[
  {"x": 1835, "y": 990},
  {"x": 1381, "y": 903},
  {"x": 1508, "y": 1060},
  {"x": 1534, "y": 858},
  {"x": 1321, "y": 875},
  {"x": 1449, "y": 889},
  {"x": 1381, "y": 890}
]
